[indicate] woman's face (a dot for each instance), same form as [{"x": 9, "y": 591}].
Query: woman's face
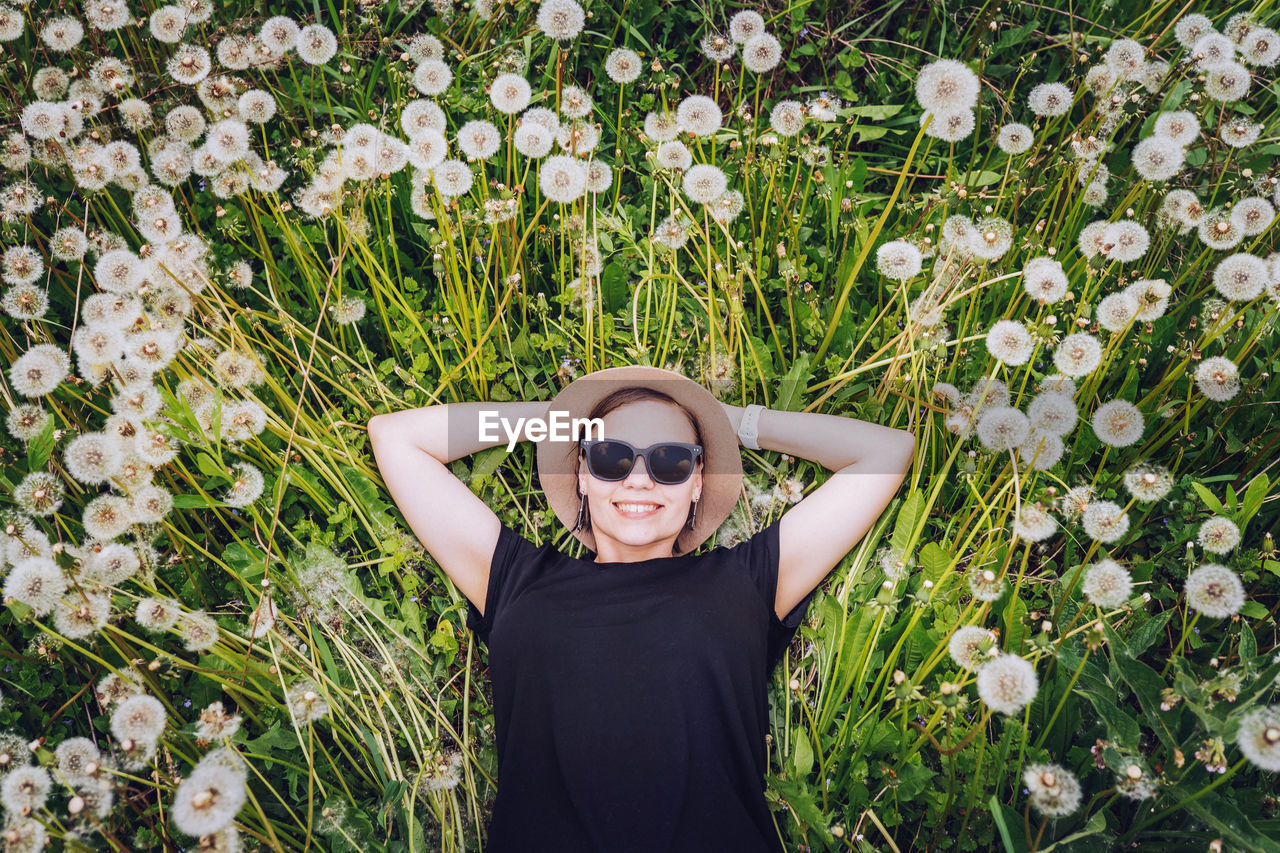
[{"x": 642, "y": 423}]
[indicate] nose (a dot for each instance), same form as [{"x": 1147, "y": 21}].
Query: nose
[{"x": 640, "y": 464}]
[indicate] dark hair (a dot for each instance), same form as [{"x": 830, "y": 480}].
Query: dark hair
[{"x": 620, "y": 398}]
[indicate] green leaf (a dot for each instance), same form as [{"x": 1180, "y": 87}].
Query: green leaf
[
  {"x": 194, "y": 502},
  {"x": 792, "y": 387},
  {"x": 613, "y": 288},
  {"x": 1254, "y": 610},
  {"x": 486, "y": 462},
  {"x": 1121, "y": 728},
  {"x": 1147, "y": 684},
  {"x": 1207, "y": 496},
  {"x": 904, "y": 527},
  {"x": 1235, "y": 828},
  {"x": 802, "y": 754},
  {"x": 1002, "y": 821},
  {"x": 934, "y": 561},
  {"x": 1146, "y": 633},
  {"x": 41, "y": 447},
  {"x": 979, "y": 179},
  {"x": 1096, "y": 823},
  {"x": 247, "y": 561},
  {"x": 878, "y": 112},
  {"x": 209, "y": 466}
]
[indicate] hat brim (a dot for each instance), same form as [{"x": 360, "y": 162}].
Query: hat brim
[{"x": 722, "y": 469}]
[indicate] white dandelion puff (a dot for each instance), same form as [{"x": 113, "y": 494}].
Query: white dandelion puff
[
  {"x": 1107, "y": 584},
  {"x": 1218, "y": 535},
  {"x": 1215, "y": 591},
  {"x": 1104, "y": 521},
  {"x": 947, "y": 85},
  {"x": 1218, "y": 378},
  {"x": 1009, "y": 342},
  {"x": 898, "y": 260},
  {"x": 1007, "y": 684}
]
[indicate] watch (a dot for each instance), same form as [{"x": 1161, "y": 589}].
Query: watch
[{"x": 747, "y": 429}]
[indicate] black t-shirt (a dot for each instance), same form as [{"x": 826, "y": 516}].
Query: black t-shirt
[{"x": 631, "y": 699}]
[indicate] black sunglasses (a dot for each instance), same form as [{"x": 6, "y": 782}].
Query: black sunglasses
[{"x": 669, "y": 463}]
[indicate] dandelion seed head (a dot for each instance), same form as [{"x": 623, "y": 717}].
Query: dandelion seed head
[
  {"x": 1148, "y": 481},
  {"x": 1158, "y": 158},
  {"x": 1009, "y": 342},
  {"x": 674, "y": 155},
  {"x": 1055, "y": 792},
  {"x": 1241, "y": 277},
  {"x": 1034, "y": 524},
  {"x": 1007, "y": 684},
  {"x": 761, "y": 53},
  {"x": 947, "y": 86},
  {"x": 1104, "y": 521},
  {"x": 1118, "y": 423},
  {"x": 1211, "y": 49},
  {"x": 1014, "y": 138},
  {"x": 1050, "y": 99},
  {"x": 1125, "y": 241},
  {"x": 1107, "y": 584},
  {"x": 623, "y": 65},
  {"x": 1052, "y": 412},
  {"x": 661, "y": 127},
  {"x": 425, "y": 46},
  {"x": 1180, "y": 126},
  {"x": 1260, "y": 47},
  {"x": 969, "y": 646},
  {"x": 1190, "y": 28},
  {"x": 1126, "y": 58},
  {"x": 316, "y": 44},
  {"x": 991, "y": 238},
  {"x": 949, "y": 125},
  {"x": 1218, "y": 535},
  {"x": 36, "y": 582},
  {"x": 717, "y": 47},
  {"x": 1215, "y": 591},
  {"x": 1226, "y": 81},
  {"x": 898, "y": 260},
  {"x": 198, "y": 630},
  {"x": 1218, "y": 378},
  {"x": 1219, "y": 229},
  {"x": 1041, "y": 450},
  {"x": 1002, "y": 428},
  {"x": 699, "y": 115},
  {"x": 510, "y": 93},
  {"x": 208, "y": 799},
  {"x": 1116, "y": 311},
  {"x": 562, "y": 178},
  {"x": 744, "y": 25},
  {"x": 433, "y": 76},
  {"x": 479, "y": 139},
  {"x": 1259, "y": 737},
  {"x": 1044, "y": 279},
  {"x": 560, "y": 20},
  {"x": 534, "y": 140}
]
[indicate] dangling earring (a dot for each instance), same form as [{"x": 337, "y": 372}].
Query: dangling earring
[
  {"x": 693, "y": 520},
  {"x": 582, "y": 505}
]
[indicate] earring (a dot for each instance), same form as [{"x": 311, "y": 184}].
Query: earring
[
  {"x": 582, "y": 505},
  {"x": 693, "y": 520}
]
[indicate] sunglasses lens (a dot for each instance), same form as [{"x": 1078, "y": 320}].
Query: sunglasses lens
[
  {"x": 610, "y": 460},
  {"x": 670, "y": 464}
]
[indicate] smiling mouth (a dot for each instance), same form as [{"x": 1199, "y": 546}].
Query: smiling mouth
[{"x": 639, "y": 509}]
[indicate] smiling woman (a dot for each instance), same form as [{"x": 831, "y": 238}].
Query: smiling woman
[{"x": 630, "y": 685}]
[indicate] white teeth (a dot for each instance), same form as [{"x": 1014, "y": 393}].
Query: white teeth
[{"x": 636, "y": 507}]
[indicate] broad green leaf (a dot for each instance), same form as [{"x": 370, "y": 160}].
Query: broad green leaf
[
  {"x": 908, "y": 518},
  {"x": 613, "y": 288},
  {"x": 1121, "y": 728},
  {"x": 802, "y": 753},
  {"x": 934, "y": 561},
  {"x": 792, "y": 387},
  {"x": 41, "y": 446},
  {"x": 1235, "y": 828},
  {"x": 1002, "y": 820},
  {"x": 1210, "y": 501}
]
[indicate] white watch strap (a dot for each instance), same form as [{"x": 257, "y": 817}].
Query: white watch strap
[{"x": 748, "y": 428}]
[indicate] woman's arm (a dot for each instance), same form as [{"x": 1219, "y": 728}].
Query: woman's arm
[
  {"x": 412, "y": 448},
  {"x": 870, "y": 462}
]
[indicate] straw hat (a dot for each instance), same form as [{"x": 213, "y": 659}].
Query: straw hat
[{"x": 722, "y": 460}]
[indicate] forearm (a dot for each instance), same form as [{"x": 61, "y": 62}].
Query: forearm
[
  {"x": 449, "y": 431},
  {"x": 832, "y": 441}
]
